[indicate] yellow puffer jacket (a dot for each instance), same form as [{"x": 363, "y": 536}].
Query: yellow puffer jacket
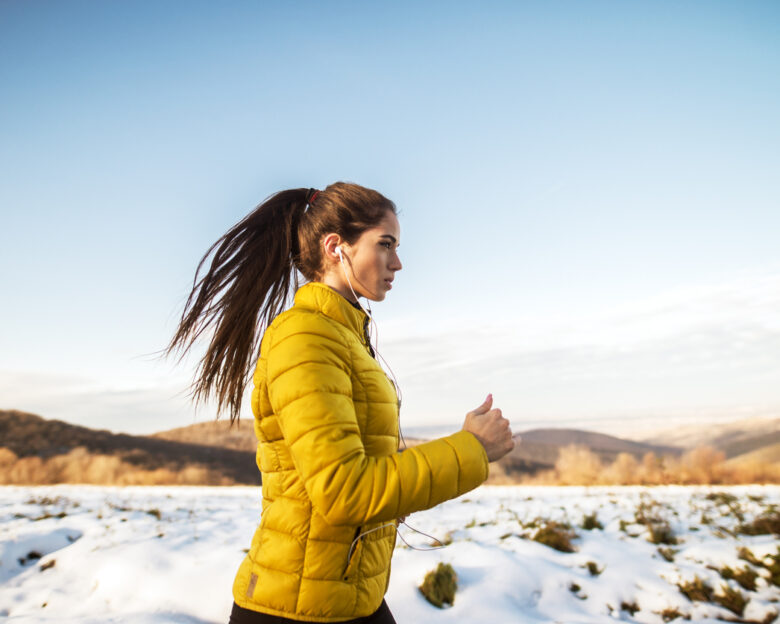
[{"x": 326, "y": 417}]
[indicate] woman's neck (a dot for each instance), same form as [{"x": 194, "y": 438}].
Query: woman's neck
[{"x": 339, "y": 286}]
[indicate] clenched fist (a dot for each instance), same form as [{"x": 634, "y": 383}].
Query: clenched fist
[{"x": 490, "y": 428}]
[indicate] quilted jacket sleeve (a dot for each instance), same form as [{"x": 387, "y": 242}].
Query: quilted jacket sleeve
[{"x": 310, "y": 389}]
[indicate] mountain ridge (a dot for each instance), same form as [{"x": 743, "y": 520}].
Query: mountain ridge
[{"x": 226, "y": 454}]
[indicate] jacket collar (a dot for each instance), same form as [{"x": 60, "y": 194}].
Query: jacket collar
[{"x": 317, "y": 296}]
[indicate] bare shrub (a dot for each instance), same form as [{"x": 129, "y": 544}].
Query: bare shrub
[
  {"x": 7, "y": 458},
  {"x": 752, "y": 471},
  {"x": 623, "y": 471},
  {"x": 702, "y": 465},
  {"x": 27, "y": 470},
  {"x": 102, "y": 469},
  {"x": 440, "y": 585},
  {"x": 81, "y": 466},
  {"x": 195, "y": 475},
  {"x": 577, "y": 465},
  {"x": 498, "y": 475},
  {"x": 651, "y": 470}
]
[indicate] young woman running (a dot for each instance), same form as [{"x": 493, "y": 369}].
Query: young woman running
[{"x": 326, "y": 415}]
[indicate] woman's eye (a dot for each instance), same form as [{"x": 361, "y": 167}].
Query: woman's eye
[{"x": 387, "y": 244}]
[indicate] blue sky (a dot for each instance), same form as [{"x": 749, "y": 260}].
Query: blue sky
[{"x": 589, "y": 196}]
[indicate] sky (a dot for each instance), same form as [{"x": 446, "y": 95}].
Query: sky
[{"x": 588, "y": 194}]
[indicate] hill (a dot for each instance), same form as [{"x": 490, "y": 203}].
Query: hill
[
  {"x": 544, "y": 444},
  {"x": 538, "y": 451},
  {"x": 36, "y": 450},
  {"x": 221, "y": 433},
  {"x": 769, "y": 454},
  {"x": 732, "y": 438}
]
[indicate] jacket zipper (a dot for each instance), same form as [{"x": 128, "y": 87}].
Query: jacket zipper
[
  {"x": 366, "y": 338},
  {"x": 353, "y": 552}
]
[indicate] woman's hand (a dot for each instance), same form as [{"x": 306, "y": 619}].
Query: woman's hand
[{"x": 491, "y": 429}]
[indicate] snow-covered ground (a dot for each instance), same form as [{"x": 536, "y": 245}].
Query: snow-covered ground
[{"x": 154, "y": 555}]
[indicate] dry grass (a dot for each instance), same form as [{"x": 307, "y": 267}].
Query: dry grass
[
  {"x": 575, "y": 590},
  {"x": 667, "y": 553},
  {"x": 648, "y": 513},
  {"x": 765, "y": 524},
  {"x": 593, "y": 568},
  {"x": 746, "y": 554},
  {"x": 731, "y": 599},
  {"x": 591, "y": 521},
  {"x": 672, "y": 613},
  {"x": 661, "y": 533},
  {"x": 772, "y": 563},
  {"x": 557, "y": 535},
  {"x": 745, "y": 576},
  {"x": 696, "y": 590},
  {"x": 630, "y": 607}
]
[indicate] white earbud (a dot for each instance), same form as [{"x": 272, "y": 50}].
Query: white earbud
[{"x": 338, "y": 250}]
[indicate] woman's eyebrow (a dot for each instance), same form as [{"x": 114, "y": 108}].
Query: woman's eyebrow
[{"x": 390, "y": 236}]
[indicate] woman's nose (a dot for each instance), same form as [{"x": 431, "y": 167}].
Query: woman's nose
[{"x": 396, "y": 264}]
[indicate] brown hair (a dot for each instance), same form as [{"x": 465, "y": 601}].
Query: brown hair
[{"x": 252, "y": 273}]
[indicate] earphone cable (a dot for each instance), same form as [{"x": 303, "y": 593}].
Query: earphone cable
[
  {"x": 403, "y": 539},
  {"x": 435, "y": 539},
  {"x": 397, "y": 387}
]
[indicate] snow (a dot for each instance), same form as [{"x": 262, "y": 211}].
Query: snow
[{"x": 153, "y": 555}]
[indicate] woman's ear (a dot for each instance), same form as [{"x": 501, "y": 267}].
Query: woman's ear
[{"x": 331, "y": 243}]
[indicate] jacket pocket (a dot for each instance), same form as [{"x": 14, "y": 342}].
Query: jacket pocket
[{"x": 353, "y": 556}]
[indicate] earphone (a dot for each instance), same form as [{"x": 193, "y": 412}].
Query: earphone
[{"x": 338, "y": 250}]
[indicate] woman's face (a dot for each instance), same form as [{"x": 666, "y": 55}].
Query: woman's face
[{"x": 371, "y": 262}]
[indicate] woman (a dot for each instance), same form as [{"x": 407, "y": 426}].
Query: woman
[{"x": 326, "y": 414}]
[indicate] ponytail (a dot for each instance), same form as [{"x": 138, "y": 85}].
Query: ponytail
[
  {"x": 252, "y": 273},
  {"x": 247, "y": 284}
]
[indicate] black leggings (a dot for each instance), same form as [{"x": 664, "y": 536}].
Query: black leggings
[{"x": 239, "y": 615}]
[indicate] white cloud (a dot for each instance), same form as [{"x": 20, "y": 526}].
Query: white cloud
[
  {"x": 130, "y": 408},
  {"x": 711, "y": 349}
]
